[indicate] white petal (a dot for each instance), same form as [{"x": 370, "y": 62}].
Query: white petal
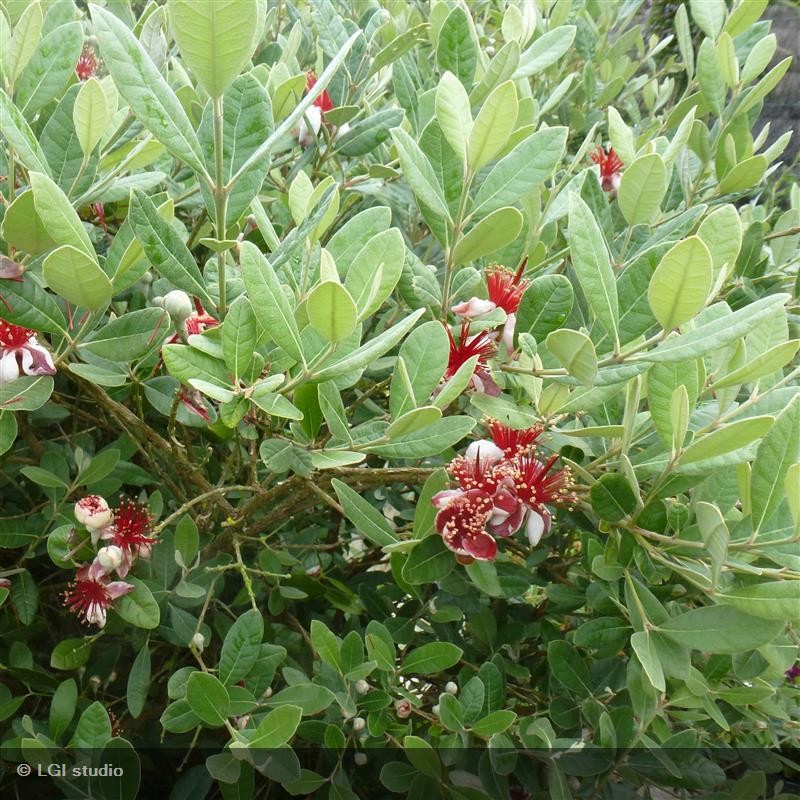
[
  {"x": 9, "y": 369},
  {"x": 488, "y": 451},
  {"x": 535, "y": 527}
]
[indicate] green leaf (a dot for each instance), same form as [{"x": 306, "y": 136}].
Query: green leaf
[
  {"x": 216, "y": 39},
  {"x": 367, "y": 353},
  {"x": 239, "y": 337},
  {"x": 719, "y": 629},
  {"x": 75, "y": 276},
  {"x": 139, "y": 681},
  {"x": 52, "y": 66},
  {"x": 546, "y": 50},
  {"x": 241, "y": 647},
  {"x": 59, "y": 217},
  {"x": 270, "y": 304},
  {"x": 26, "y": 393},
  {"x": 456, "y": 50},
  {"x": 352, "y": 237},
  {"x": 23, "y": 228},
  {"x": 712, "y": 86},
  {"x": 612, "y": 497},
  {"x": 310, "y": 697},
  {"x": 413, "y": 420},
  {"x": 576, "y": 353},
  {"x": 643, "y": 186},
  {"x": 43, "y": 477},
  {"x": 774, "y": 600},
  {"x": 128, "y": 337},
  {"x": 453, "y": 113},
  {"x": 778, "y": 450},
  {"x": 772, "y": 360},
  {"x": 545, "y": 306},
  {"x": 276, "y": 728},
  {"x": 431, "y": 659},
  {"x": 715, "y": 536},
  {"x": 729, "y": 437},
  {"x": 493, "y": 125},
  {"x": 98, "y": 467},
  {"x": 712, "y": 336},
  {"x": 492, "y": 233},
  {"x": 709, "y": 15},
  {"x": 94, "y": 728},
  {"x": 681, "y": 283},
  {"x": 427, "y": 441},
  {"x": 145, "y": 90},
  {"x": 496, "y": 722},
  {"x": 187, "y": 540},
  {"x": 139, "y": 606},
  {"x": 367, "y": 519},
  {"x": 62, "y": 708},
  {"x": 276, "y": 404},
  {"x": 424, "y": 354},
  {"x": 592, "y": 264},
  {"x": 523, "y": 169},
  {"x": 164, "y": 248},
  {"x": 19, "y": 136},
  {"x": 428, "y": 562},
  {"x": 645, "y": 649},
  {"x": 500, "y": 68},
  {"x": 375, "y": 270},
  {"x": 27, "y": 32},
  {"x": 90, "y": 115},
  {"x": 567, "y": 667},
  {"x": 70, "y": 654},
  {"x": 331, "y": 311},
  {"x": 417, "y": 170},
  {"x": 744, "y": 175},
  {"x": 325, "y": 644},
  {"x": 722, "y": 233},
  {"x": 208, "y": 699},
  {"x": 187, "y": 363}
]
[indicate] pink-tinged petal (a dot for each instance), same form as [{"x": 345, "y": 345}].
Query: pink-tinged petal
[
  {"x": 311, "y": 121},
  {"x": 96, "y": 571},
  {"x": 445, "y": 497},
  {"x": 96, "y": 615},
  {"x": 488, "y": 452},
  {"x": 9, "y": 369},
  {"x": 481, "y": 546},
  {"x": 507, "y": 337},
  {"x": 474, "y": 307},
  {"x": 40, "y": 357},
  {"x": 483, "y": 382},
  {"x": 538, "y": 525},
  {"x": 117, "y": 589}
]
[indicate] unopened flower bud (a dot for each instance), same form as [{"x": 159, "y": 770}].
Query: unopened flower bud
[
  {"x": 362, "y": 686},
  {"x": 110, "y": 557},
  {"x": 451, "y": 688},
  {"x": 435, "y": 709},
  {"x": 95, "y": 682},
  {"x": 403, "y": 709},
  {"x": 93, "y": 512},
  {"x": 5, "y": 583},
  {"x": 360, "y": 759},
  {"x": 198, "y": 642},
  {"x": 359, "y": 724},
  {"x": 178, "y": 305},
  {"x": 268, "y": 693}
]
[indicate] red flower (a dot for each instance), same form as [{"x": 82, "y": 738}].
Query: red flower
[
  {"x": 20, "y": 352},
  {"x": 512, "y": 440},
  {"x": 461, "y": 523},
  {"x": 87, "y": 64},
  {"x": 506, "y": 287},
  {"x": 610, "y": 168},
  {"x": 534, "y": 484},
  {"x": 91, "y": 594},
  {"x": 474, "y": 473},
  {"x": 480, "y": 345},
  {"x": 323, "y": 102}
]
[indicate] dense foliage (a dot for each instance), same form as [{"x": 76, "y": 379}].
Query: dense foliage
[{"x": 397, "y": 398}]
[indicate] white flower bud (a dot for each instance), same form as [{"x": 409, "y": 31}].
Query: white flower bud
[
  {"x": 93, "y": 512},
  {"x": 178, "y": 305},
  {"x": 451, "y": 687},
  {"x": 360, "y": 759},
  {"x": 435, "y": 709},
  {"x": 268, "y": 693},
  {"x": 362, "y": 686},
  {"x": 198, "y": 642},
  {"x": 110, "y": 558},
  {"x": 359, "y": 723}
]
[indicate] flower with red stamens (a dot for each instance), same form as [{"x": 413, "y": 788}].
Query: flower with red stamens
[
  {"x": 90, "y": 595},
  {"x": 20, "y": 352},
  {"x": 87, "y": 64},
  {"x": 323, "y": 102},
  {"x": 512, "y": 440},
  {"x": 461, "y": 524},
  {"x": 130, "y": 532},
  {"x": 506, "y": 287},
  {"x": 474, "y": 473},
  {"x": 480, "y": 345},
  {"x": 610, "y": 168}
]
